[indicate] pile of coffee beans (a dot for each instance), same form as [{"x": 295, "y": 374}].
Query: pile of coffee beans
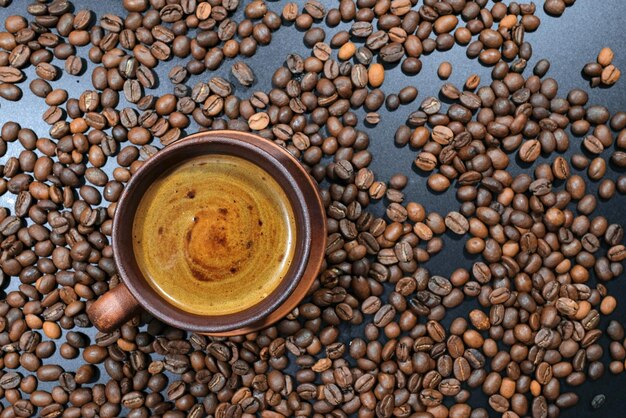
[
  {"x": 541, "y": 256},
  {"x": 602, "y": 72}
]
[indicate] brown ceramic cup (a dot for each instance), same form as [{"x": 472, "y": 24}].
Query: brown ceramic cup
[{"x": 120, "y": 303}]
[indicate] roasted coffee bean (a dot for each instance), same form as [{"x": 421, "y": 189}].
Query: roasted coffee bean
[
  {"x": 426, "y": 161},
  {"x": 10, "y": 75},
  {"x": 10, "y": 380},
  {"x": 243, "y": 73},
  {"x": 530, "y": 151},
  {"x": 457, "y": 223},
  {"x": 10, "y": 92},
  {"x": 74, "y": 65},
  {"x": 598, "y": 401},
  {"x": 391, "y": 52},
  {"x": 610, "y": 75}
]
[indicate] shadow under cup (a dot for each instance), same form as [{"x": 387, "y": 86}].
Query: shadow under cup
[{"x": 307, "y": 210}]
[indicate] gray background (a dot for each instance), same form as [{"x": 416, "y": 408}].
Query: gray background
[{"x": 569, "y": 42}]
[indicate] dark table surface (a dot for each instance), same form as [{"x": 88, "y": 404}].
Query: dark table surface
[{"x": 569, "y": 42}]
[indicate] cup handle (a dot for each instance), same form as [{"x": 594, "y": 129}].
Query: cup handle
[{"x": 113, "y": 308}]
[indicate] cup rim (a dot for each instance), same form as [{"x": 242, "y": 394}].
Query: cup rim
[{"x": 291, "y": 176}]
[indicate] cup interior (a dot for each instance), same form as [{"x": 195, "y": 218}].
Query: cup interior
[{"x": 270, "y": 157}]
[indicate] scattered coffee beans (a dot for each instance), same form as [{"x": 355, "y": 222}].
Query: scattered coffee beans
[
  {"x": 542, "y": 254},
  {"x": 602, "y": 72}
]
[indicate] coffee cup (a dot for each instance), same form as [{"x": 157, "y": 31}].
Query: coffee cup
[{"x": 220, "y": 233}]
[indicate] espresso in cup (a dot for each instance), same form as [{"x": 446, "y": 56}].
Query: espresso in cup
[
  {"x": 214, "y": 235},
  {"x": 221, "y": 233}
]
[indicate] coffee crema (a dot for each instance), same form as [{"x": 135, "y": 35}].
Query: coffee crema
[{"x": 214, "y": 235}]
